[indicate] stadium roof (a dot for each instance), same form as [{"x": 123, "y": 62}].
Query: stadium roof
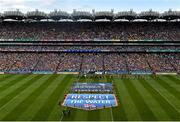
[
  {"x": 93, "y": 16},
  {"x": 36, "y": 15},
  {"x": 15, "y": 15},
  {"x": 58, "y": 15},
  {"x": 129, "y": 15},
  {"x": 149, "y": 15},
  {"x": 170, "y": 15}
]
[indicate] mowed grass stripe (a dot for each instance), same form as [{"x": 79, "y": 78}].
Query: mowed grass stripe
[
  {"x": 8, "y": 80},
  {"x": 170, "y": 82},
  {"x": 7, "y": 108},
  {"x": 142, "y": 107},
  {"x": 150, "y": 100},
  {"x": 171, "y": 112},
  {"x": 106, "y": 114},
  {"x": 4, "y": 77},
  {"x": 19, "y": 89},
  {"x": 13, "y": 82},
  {"x": 78, "y": 115},
  {"x": 175, "y": 103},
  {"x": 174, "y": 79},
  {"x": 95, "y": 114},
  {"x": 19, "y": 109},
  {"x": 109, "y": 80},
  {"x": 41, "y": 99},
  {"x": 56, "y": 113},
  {"x": 48, "y": 106},
  {"x": 170, "y": 89},
  {"x": 83, "y": 115},
  {"x": 11, "y": 89},
  {"x": 126, "y": 102},
  {"x": 119, "y": 113}
]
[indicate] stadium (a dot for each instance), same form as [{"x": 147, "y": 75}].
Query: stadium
[{"x": 90, "y": 66}]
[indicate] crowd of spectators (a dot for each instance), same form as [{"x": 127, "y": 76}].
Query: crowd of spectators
[
  {"x": 47, "y": 62},
  {"x": 160, "y": 63},
  {"x": 69, "y": 62},
  {"x": 115, "y": 62},
  {"x": 175, "y": 60},
  {"x": 137, "y": 62},
  {"x": 38, "y": 57},
  {"x": 70, "y": 31},
  {"x": 23, "y": 62},
  {"x": 7, "y": 60},
  {"x": 60, "y": 48},
  {"x": 90, "y": 62}
]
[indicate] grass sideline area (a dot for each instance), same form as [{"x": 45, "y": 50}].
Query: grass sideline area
[{"x": 36, "y": 97}]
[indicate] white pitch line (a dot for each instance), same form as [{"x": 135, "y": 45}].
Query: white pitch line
[
  {"x": 167, "y": 100},
  {"x": 112, "y": 115},
  {"x": 61, "y": 118},
  {"x": 21, "y": 93}
]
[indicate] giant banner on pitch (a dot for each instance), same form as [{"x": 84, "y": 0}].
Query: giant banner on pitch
[
  {"x": 90, "y": 101},
  {"x": 92, "y": 87}
]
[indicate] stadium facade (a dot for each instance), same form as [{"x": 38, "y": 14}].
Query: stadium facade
[{"x": 45, "y": 47}]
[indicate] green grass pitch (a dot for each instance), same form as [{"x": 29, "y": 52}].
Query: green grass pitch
[{"x": 36, "y": 97}]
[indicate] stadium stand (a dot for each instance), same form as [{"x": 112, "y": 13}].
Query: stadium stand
[
  {"x": 111, "y": 63},
  {"x": 90, "y": 31},
  {"x": 113, "y": 47}
]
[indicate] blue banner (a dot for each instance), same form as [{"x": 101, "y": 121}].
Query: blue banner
[
  {"x": 92, "y": 87},
  {"x": 116, "y": 72},
  {"x": 42, "y": 72},
  {"x": 90, "y": 101},
  {"x": 141, "y": 72}
]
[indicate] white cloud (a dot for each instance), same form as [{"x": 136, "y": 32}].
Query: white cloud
[{"x": 25, "y": 5}]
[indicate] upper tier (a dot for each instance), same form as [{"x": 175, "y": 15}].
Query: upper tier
[{"x": 90, "y": 31}]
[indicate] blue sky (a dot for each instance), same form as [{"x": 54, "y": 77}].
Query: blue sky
[{"x": 88, "y": 5}]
